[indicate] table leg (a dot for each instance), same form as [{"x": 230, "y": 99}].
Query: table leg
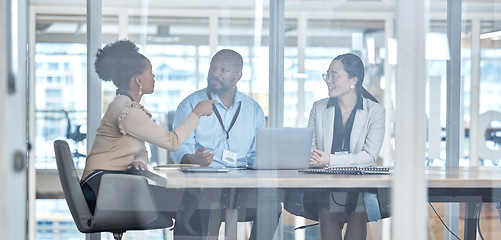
[
  {"x": 267, "y": 213},
  {"x": 214, "y": 222},
  {"x": 472, "y": 210},
  {"x": 497, "y": 199},
  {"x": 231, "y": 223}
]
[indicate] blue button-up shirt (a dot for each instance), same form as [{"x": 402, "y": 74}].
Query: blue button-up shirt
[{"x": 210, "y": 133}]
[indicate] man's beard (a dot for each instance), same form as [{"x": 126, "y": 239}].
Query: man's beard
[{"x": 214, "y": 90}]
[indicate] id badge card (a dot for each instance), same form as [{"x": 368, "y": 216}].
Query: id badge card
[{"x": 230, "y": 158}]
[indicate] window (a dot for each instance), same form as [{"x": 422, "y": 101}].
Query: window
[{"x": 180, "y": 38}]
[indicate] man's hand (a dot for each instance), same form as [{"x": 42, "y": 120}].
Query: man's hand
[
  {"x": 199, "y": 157},
  {"x": 319, "y": 158}
]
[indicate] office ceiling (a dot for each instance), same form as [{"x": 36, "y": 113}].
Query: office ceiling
[{"x": 188, "y": 21}]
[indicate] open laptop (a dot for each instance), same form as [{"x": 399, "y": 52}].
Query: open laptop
[{"x": 283, "y": 148}]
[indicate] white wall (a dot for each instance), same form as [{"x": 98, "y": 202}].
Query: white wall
[
  {"x": 3, "y": 76},
  {"x": 13, "y": 112}
]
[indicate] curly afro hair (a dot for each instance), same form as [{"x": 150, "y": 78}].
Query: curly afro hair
[{"x": 119, "y": 62}]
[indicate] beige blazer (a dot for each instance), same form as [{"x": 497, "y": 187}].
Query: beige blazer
[{"x": 366, "y": 136}]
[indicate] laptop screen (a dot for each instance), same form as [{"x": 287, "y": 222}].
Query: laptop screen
[{"x": 283, "y": 148}]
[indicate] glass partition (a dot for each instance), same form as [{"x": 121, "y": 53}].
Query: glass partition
[
  {"x": 314, "y": 36},
  {"x": 180, "y": 37},
  {"x": 61, "y": 108},
  {"x": 478, "y": 124}
]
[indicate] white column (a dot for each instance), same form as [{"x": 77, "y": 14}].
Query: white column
[
  {"x": 461, "y": 118},
  {"x": 15, "y": 123},
  {"x": 143, "y": 32},
  {"x": 475, "y": 91},
  {"x": 387, "y": 150},
  {"x": 94, "y": 32},
  {"x": 31, "y": 125},
  {"x": 13, "y": 117},
  {"x": 3, "y": 148},
  {"x": 302, "y": 24},
  {"x": 453, "y": 112},
  {"x": 123, "y": 23},
  {"x": 434, "y": 123},
  {"x": 266, "y": 210},
  {"x": 213, "y": 34},
  {"x": 276, "y": 96},
  {"x": 409, "y": 185},
  {"x": 94, "y": 42},
  {"x": 453, "y": 82},
  {"x": 213, "y": 40},
  {"x": 258, "y": 22}
]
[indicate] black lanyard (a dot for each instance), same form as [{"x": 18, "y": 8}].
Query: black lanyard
[{"x": 221, "y": 120}]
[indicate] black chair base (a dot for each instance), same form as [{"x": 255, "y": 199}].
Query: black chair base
[{"x": 118, "y": 236}]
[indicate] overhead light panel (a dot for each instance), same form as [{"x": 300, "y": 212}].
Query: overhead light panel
[{"x": 496, "y": 35}]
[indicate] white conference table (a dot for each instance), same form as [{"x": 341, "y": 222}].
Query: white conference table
[{"x": 470, "y": 185}]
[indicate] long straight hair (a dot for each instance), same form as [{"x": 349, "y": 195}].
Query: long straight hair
[{"x": 354, "y": 66}]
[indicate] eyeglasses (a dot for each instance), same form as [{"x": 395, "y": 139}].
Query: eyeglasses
[{"x": 326, "y": 77}]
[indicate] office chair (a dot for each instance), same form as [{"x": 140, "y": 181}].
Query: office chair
[
  {"x": 124, "y": 201},
  {"x": 75, "y": 135}
]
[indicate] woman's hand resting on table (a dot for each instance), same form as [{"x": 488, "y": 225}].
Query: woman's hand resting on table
[
  {"x": 319, "y": 158},
  {"x": 204, "y": 108},
  {"x": 138, "y": 165}
]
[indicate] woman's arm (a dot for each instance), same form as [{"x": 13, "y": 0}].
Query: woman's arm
[{"x": 138, "y": 124}]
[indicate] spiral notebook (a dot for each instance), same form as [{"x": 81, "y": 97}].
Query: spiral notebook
[{"x": 350, "y": 170}]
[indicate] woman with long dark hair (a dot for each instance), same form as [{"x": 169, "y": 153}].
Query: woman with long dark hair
[{"x": 348, "y": 131}]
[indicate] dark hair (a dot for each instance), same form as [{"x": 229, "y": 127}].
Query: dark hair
[
  {"x": 238, "y": 60},
  {"x": 354, "y": 66},
  {"x": 119, "y": 62}
]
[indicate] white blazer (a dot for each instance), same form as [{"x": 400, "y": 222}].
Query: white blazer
[{"x": 366, "y": 136}]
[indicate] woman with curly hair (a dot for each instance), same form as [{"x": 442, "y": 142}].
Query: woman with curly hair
[{"x": 120, "y": 139}]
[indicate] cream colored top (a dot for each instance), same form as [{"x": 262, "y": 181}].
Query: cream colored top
[{"x": 124, "y": 129}]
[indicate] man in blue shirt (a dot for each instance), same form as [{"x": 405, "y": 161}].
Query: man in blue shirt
[
  {"x": 226, "y": 138},
  {"x": 231, "y": 130}
]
